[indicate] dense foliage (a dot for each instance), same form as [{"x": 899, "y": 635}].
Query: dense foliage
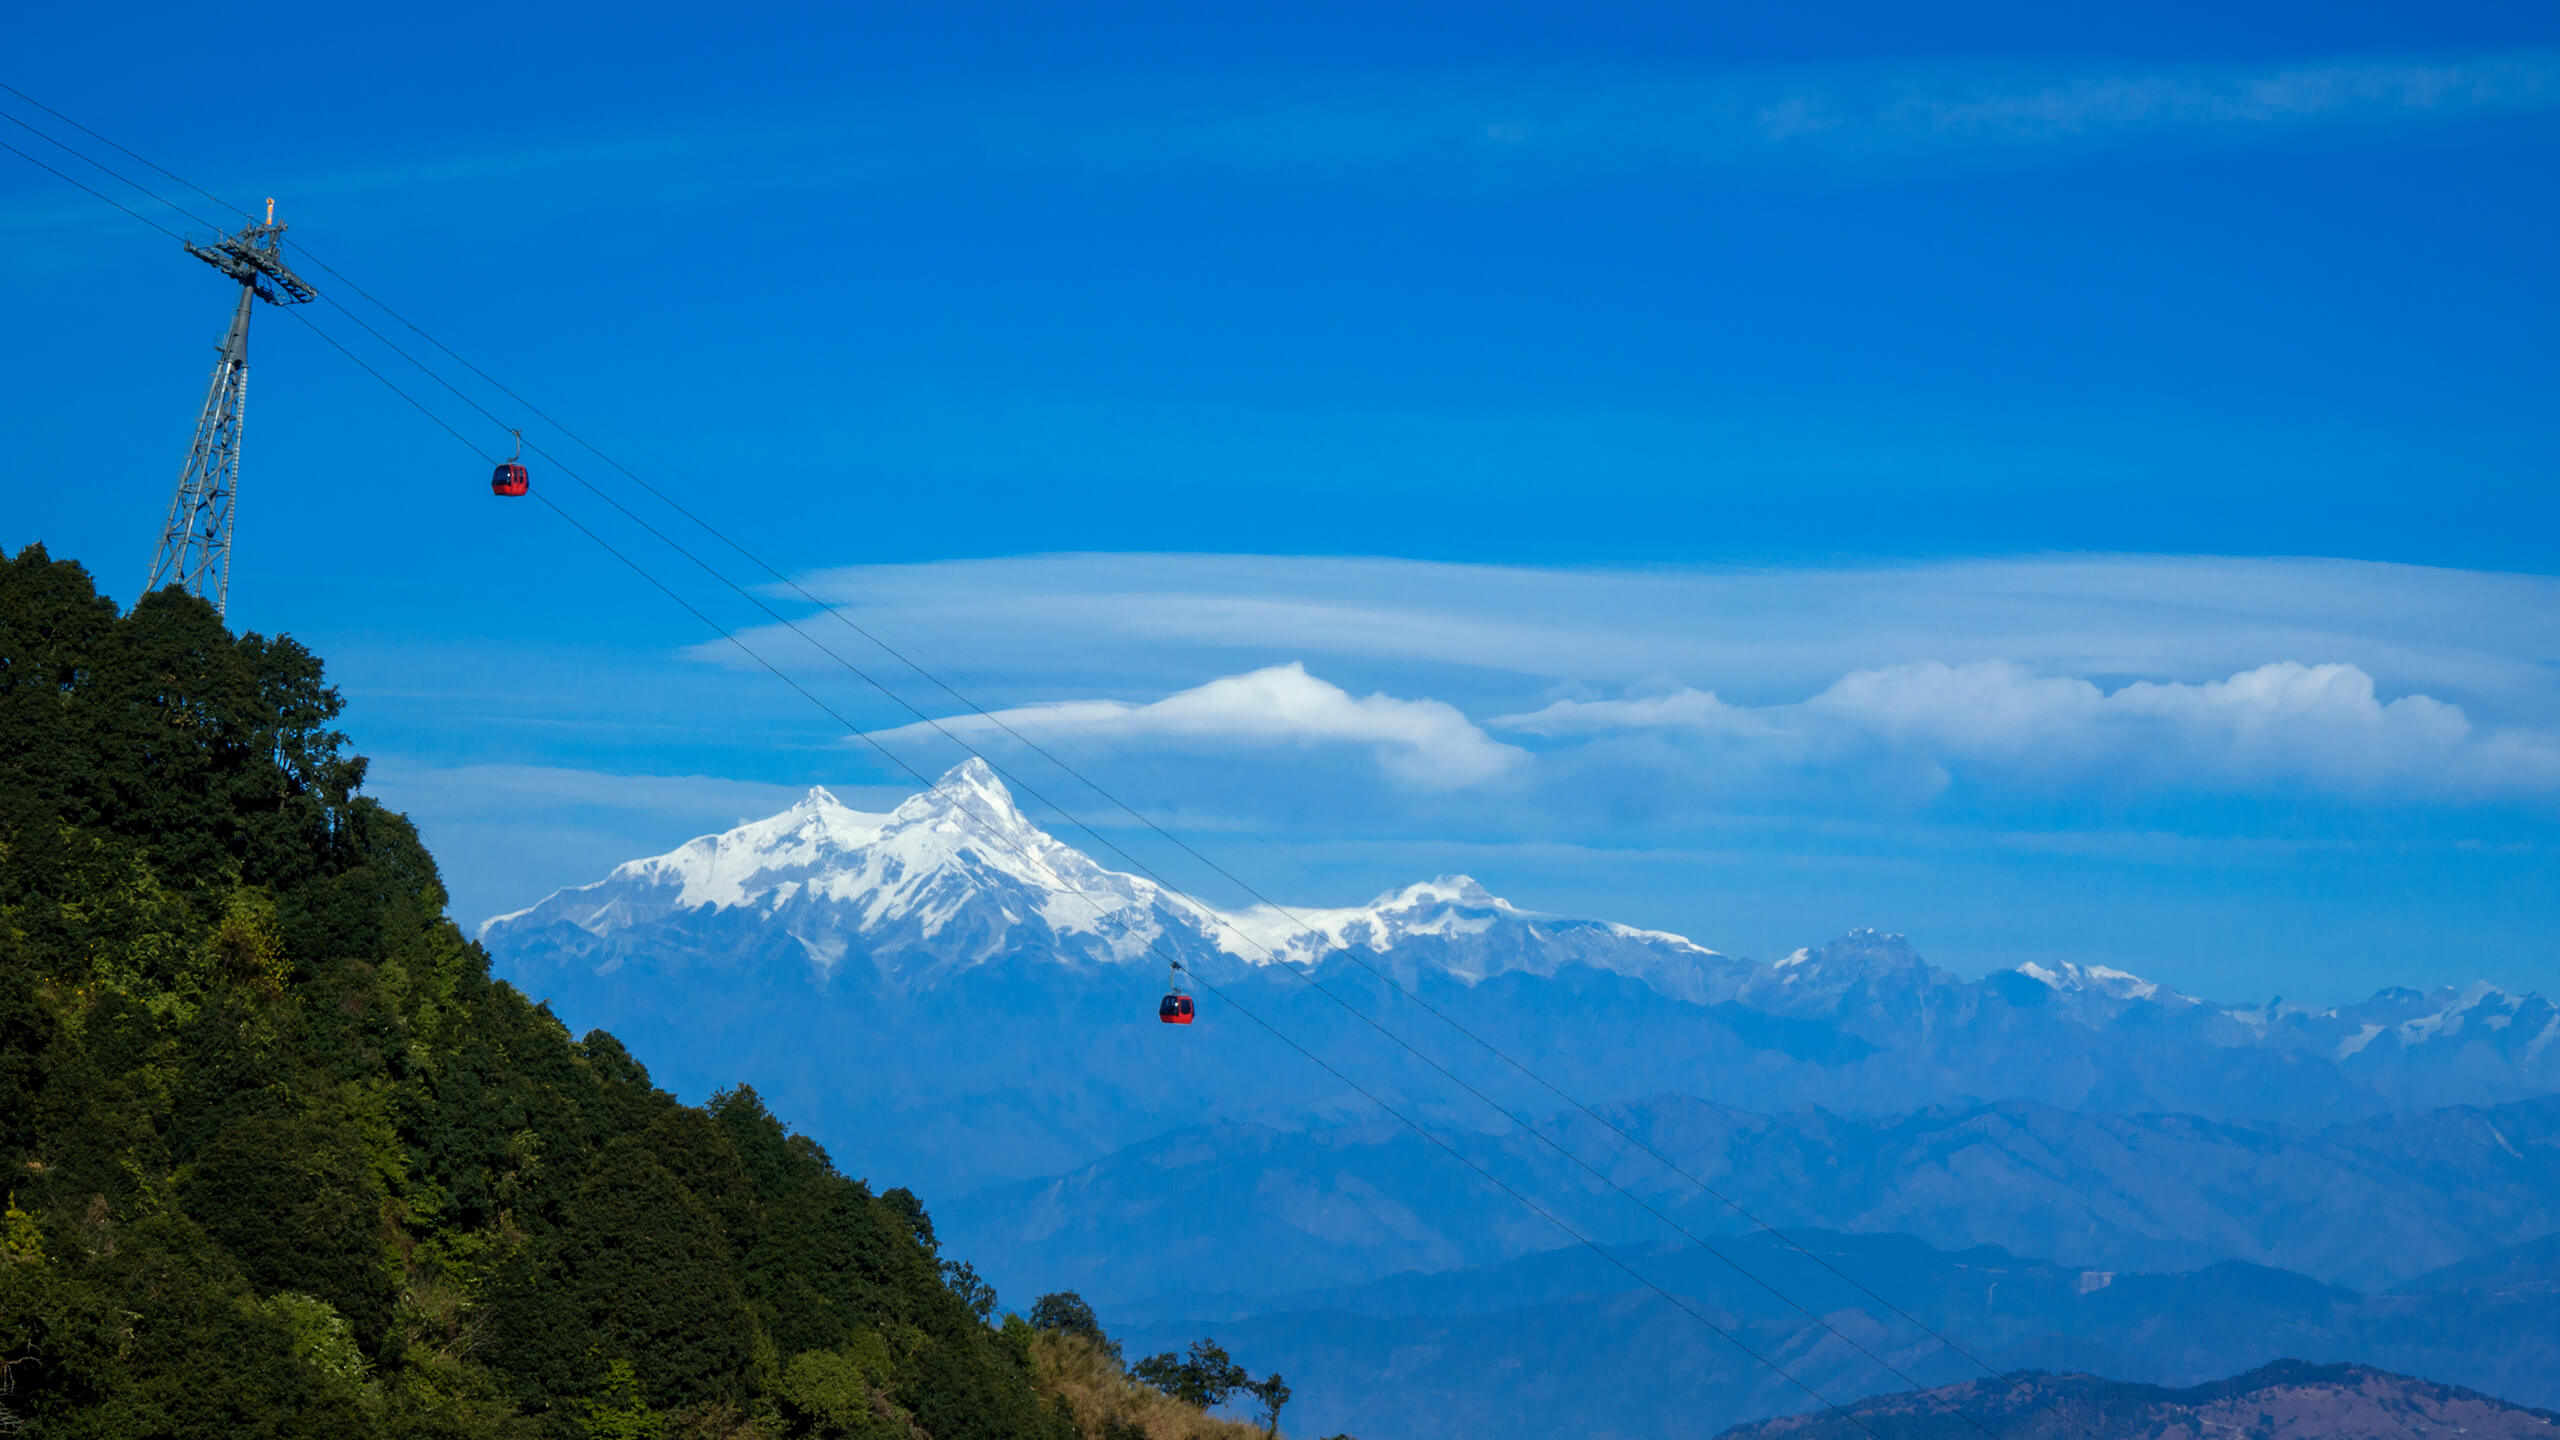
[
  {"x": 280, "y": 1157},
  {"x": 1207, "y": 1376}
]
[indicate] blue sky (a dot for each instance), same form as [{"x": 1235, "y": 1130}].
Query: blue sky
[{"x": 2059, "y": 486}]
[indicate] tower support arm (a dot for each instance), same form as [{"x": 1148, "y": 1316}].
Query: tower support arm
[{"x": 255, "y": 257}]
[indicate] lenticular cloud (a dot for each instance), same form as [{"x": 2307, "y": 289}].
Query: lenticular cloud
[
  {"x": 1426, "y": 744},
  {"x": 2284, "y": 722}
]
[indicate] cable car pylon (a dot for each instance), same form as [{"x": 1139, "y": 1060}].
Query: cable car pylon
[{"x": 195, "y": 542}]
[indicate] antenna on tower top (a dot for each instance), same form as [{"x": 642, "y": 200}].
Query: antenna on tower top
[{"x": 195, "y": 543}]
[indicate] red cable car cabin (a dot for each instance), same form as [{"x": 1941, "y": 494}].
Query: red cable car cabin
[{"x": 509, "y": 478}]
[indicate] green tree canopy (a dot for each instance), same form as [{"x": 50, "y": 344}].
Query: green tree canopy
[{"x": 281, "y": 1158}]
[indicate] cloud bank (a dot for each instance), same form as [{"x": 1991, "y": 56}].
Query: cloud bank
[
  {"x": 1591, "y": 693},
  {"x": 2323, "y": 726},
  {"x": 1507, "y": 639},
  {"x": 1996, "y": 723}
]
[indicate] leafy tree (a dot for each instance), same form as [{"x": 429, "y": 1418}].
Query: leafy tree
[
  {"x": 21, "y": 1243},
  {"x": 322, "y": 1338},
  {"x": 1271, "y": 1395},
  {"x": 974, "y": 1292},
  {"x": 1066, "y": 1311},
  {"x": 904, "y": 1202},
  {"x": 639, "y": 1268},
  {"x": 618, "y": 1411},
  {"x": 1205, "y": 1375},
  {"x": 298, "y": 1206},
  {"x": 844, "y": 1392}
]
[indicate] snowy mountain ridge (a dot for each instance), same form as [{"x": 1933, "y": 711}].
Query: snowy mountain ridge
[
  {"x": 2066, "y": 975},
  {"x": 957, "y": 877},
  {"x": 950, "y": 947},
  {"x": 919, "y": 863}
]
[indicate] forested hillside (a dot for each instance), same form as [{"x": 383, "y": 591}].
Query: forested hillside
[{"x": 280, "y": 1158}]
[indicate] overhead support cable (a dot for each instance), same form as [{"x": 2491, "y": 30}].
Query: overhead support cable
[
  {"x": 99, "y": 194},
  {"x": 244, "y": 212},
  {"x": 1527, "y": 1125},
  {"x": 1329, "y": 947},
  {"x": 1100, "y": 909}
]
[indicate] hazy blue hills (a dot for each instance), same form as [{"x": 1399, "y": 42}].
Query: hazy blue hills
[
  {"x": 1253, "y": 1209},
  {"x": 2517, "y": 1269},
  {"x": 2208, "y": 1186},
  {"x": 1584, "y": 1349},
  {"x": 2279, "y": 1401}
]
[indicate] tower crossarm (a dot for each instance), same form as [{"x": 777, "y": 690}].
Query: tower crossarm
[{"x": 255, "y": 258}]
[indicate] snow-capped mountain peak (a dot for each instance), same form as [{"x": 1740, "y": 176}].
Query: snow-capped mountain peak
[
  {"x": 2527, "y": 1024},
  {"x": 957, "y": 876},
  {"x": 1444, "y": 905},
  {"x": 957, "y": 896},
  {"x": 954, "y": 876},
  {"x": 1454, "y": 925},
  {"x": 738, "y": 864},
  {"x": 969, "y": 799},
  {"x": 966, "y": 829},
  {"x": 2065, "y": 976}
]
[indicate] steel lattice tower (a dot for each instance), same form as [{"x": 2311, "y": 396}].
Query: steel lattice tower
[{"x": 195, "y": 544}]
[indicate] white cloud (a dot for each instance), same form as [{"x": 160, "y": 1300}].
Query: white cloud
[
  {"x": 1858, "y": 689},
  {"x": 2284, "y": 721},
  {"x": 1502, "y": 638},
  {"x": 1683, "y": 708},
  {"x": 1899, "y": 732},
  {"x": 1422, "y": 743}
]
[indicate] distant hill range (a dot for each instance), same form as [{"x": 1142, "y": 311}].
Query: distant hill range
[
  {"x": 1409, "y": 1354},
  {"x": 2288, "y": 1400},
  {"x": 985, "y": 950},
  {"x": 2371, "y": 1204},
  {"x": 948, "y": 992}
]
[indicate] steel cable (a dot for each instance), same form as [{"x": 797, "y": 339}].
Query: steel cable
[{"x": 1329, "y": 946}]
